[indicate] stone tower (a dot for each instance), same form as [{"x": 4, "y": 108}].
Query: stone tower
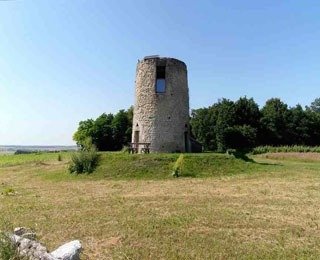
[{"x": 161, "y": 110}]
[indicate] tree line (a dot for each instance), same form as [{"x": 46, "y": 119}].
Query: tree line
[
  {"x": 108, "y": 132},
  {"x": 242, "y": 125},
  {"x": 226, "y": 124}
]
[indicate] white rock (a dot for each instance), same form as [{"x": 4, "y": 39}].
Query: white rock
[
  {"x": 68, "y": 251},
  {"x": 31, "y": 249}
]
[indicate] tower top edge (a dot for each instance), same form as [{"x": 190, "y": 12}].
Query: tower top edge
[{"x": 157, "y": 57}]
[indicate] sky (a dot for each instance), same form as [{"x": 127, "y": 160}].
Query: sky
[{"x": 66, "y": 61}]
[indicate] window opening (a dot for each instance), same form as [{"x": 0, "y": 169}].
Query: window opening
[{"x": 161, "y": 79}]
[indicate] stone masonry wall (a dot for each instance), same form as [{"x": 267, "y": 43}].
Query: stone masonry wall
[{"x": 161, "y": 118}]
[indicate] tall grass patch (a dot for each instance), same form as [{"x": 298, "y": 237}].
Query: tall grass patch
[
  {"x": 8, "y": 249},
  {"x": 286, "y": 149}
]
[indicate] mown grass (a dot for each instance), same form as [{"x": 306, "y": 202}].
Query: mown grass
[
  {"x": 132, "y": 208},
  {"x": 41, "y": 157}
]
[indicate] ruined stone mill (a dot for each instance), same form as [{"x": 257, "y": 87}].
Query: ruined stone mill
[{"x": 161, "y": 110}]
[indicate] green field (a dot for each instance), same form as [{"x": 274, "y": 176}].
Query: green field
[{"x": 132, "y": 208}]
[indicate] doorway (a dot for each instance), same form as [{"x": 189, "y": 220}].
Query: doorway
[{"x": 136, "y": 137}]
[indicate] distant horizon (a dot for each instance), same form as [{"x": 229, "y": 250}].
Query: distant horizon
[
  {"x": 48, "y": 146},
  {"x": 35, "y": 145}
]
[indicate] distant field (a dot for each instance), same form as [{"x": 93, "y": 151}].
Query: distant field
[
  {"x": 10, "y": 149},
  {"x": 132, "y": 208}
]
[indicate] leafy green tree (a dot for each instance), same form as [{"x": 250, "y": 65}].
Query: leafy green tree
[
  {"x": 313, "y": 126},
  {"x": 108, "y": 132},
  {"x": 120, "y": 123},
  {"x": 241, "y": 138},
  {"x": 203, "y": 127},
  {"x": 297, "y": 126},
  {"x": 247, "y": 112},
  {"x": 209, "y": 124},
  {"x": 225, "y": 110},
  {"x": 274, "y": 122},
  {"x": 128, "y": 132},
  {"x": 315, "y": 105},
  {"x": 215, "y": 125},
  {"x": 85, "y": 130},
  {"x": 102, "y": 136}
]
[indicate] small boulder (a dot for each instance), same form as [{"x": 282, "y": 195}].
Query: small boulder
[{"x": 68, "y": 251}]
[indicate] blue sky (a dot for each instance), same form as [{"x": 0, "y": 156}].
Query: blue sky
[{"x": 66, "y": 61}]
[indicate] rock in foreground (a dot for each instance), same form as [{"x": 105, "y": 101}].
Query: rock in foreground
[{"x": 28, "y": 247}]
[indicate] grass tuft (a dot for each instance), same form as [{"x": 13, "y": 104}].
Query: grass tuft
[
  {"x": 178, "y": 167},
  {"x": 8, "y": 191}
]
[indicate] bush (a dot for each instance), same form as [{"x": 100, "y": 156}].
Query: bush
[
  {"x": 84, "y": 162},
  {"x": 59, "y": 157},
  {"x": 178, "y": 166}
]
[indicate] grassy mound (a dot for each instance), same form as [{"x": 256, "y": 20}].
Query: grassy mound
[
  {"x": 117, "y": 165},
  {"x": 160, "y": 166}
]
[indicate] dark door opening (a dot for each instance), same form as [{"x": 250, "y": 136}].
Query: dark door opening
[{"x": 136, "y": 137}]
